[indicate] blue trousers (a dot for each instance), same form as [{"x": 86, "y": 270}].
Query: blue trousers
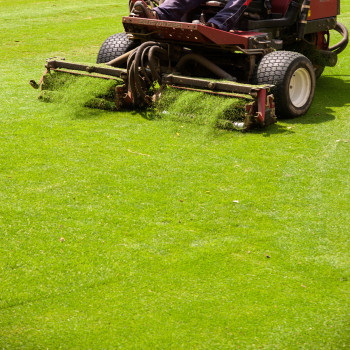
[{"x": 173, "y": 10}]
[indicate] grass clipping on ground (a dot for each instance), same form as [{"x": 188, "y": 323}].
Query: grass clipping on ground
[
  {"x": 200, "y": 108},
  {"x": 77, "y": 92}
]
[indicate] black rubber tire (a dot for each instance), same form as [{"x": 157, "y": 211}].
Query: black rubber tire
[
  {"x": 115, "y": 46},
  {"x": 278, "y": 68}
]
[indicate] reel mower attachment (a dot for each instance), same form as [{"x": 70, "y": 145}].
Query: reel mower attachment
[
  {"x": 61, "y": 78},
  {"x": 132, "y": 89},
  {"x": 258, "y": 104}
]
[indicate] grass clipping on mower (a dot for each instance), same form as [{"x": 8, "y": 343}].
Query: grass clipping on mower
[
  {"x": 77, "y": 91},
  {"x": 201, "y": 108}
]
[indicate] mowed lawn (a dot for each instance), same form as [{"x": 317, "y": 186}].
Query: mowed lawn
[{"x": 117, "y": 231}]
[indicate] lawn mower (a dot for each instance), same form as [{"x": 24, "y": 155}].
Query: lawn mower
[{"x": 271, "y": 61}]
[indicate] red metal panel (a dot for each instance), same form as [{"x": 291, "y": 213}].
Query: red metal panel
[
  {"x": 280, "y": 6},
  {"x": 319, "y": 8},
  {"x": 185, "y": 32},
  {"x": 220, "y": 37},
  {"x": 323, "y": 9}
]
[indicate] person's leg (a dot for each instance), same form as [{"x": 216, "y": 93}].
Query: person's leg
[
  {"x": 174, "y": 10},
  {"x": 230, "y": 14}
]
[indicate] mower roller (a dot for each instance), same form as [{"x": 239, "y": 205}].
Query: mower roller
[{"x": 271, "y": 62}]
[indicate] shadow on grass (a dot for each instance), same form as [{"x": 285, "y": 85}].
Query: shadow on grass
[
  {"x": 88, "y": 113},
  {"x": 147, "y": 113},
  {"x": 331, "y": 92}
]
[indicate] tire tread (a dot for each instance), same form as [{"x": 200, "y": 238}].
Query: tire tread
[{"x": 114, "y": 46}]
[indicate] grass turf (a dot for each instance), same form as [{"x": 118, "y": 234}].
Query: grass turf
[
  {"x": 77, "y": 92},
  {"x": 200, "y": 108},
  {"x": 122, "y": 232}
]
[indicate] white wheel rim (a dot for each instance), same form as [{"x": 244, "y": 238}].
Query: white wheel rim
[{"x": 300, "y": 87}]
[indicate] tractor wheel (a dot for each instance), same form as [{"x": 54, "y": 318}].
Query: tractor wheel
[
  {"x": 115, "y": 46},
  {"x": 293, "y": 77}
]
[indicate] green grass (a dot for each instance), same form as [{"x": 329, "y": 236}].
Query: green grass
[
  {"x": 73, "y": 93},
  {"x": 200, "y": 108},
  {"x": 122, "y": 232}
]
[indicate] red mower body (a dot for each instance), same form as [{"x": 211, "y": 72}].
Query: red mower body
[
  {"x": 323, "y": 9},
  {"x": 188, "y": 32},
  {"x": 280, "y": 6},
  {"x": 318, "y": 8}
]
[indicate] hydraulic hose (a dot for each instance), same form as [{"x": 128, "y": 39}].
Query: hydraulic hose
[
  {"x": 338, "y": 48},
  {"x": 135, "y": 80},
  {"x": 142, "y": 69},
  {"x": 152, "y": 62}
]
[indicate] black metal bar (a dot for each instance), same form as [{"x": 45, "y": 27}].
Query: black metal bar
[
  {"x": 216, "y": 93},
  {"x": 114, "y": 72},
  {"x": 320, "y": 25},
  {"x": 172, "y": 79},
  {"x": 305, "y": 10},
  {"x": 107, "y": 77}
]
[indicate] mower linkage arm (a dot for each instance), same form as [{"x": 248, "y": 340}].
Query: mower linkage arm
[
  {"x": 231, "y": 87},
  {"x": 108, "y": 71}
]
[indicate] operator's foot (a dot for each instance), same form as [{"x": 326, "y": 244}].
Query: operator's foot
[
  {"x": 142, "y": 10},
  {"x": 212, "y": 25}
]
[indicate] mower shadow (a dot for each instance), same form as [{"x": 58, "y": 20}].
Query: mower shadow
[
  {"x": 148, "y": 113},
  {"x": 86, "y": 113},
  {"x": 331, "y": 92}
]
